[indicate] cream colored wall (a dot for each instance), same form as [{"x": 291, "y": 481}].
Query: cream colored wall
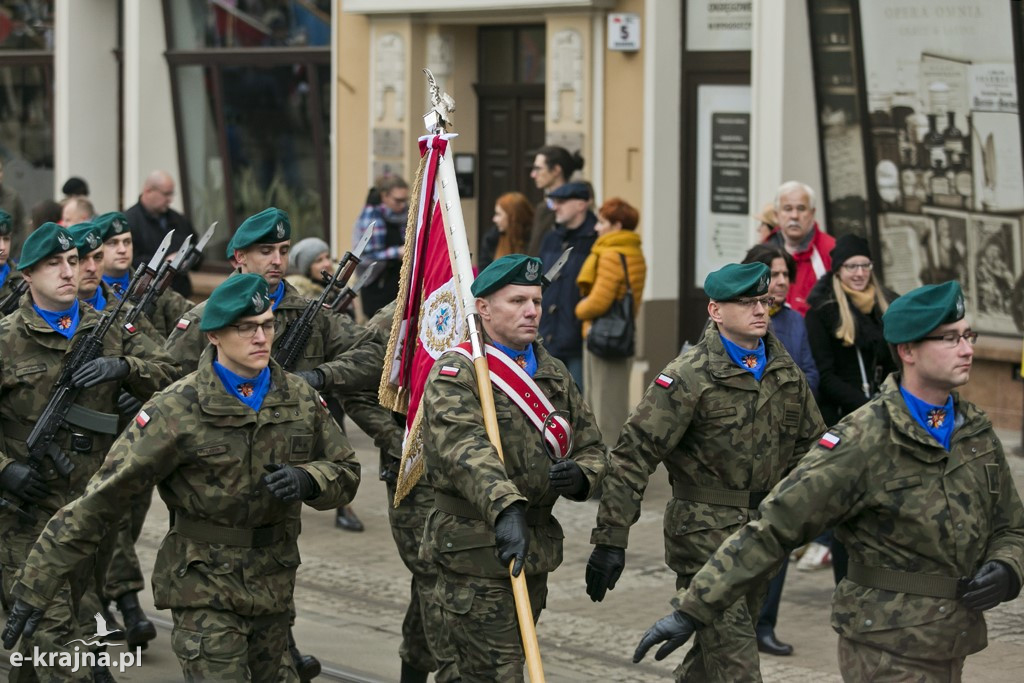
[
  {"x": 582, "y": 24},
  {"x": 350, "y": 134},
  {"x": 623, "y": 134}
]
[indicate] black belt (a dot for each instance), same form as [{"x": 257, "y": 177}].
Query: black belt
[
  {"x": 731, "y": 498},
  {"x": 225, "y": 535},
  {"x": 461, "y": 507},
  {"x": 928, "y": 585}
]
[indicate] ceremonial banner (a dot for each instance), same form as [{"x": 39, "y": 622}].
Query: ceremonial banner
[{"x": 429, "y": 318}]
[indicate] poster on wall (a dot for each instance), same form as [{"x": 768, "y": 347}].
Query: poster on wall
[
  {"x": 715, "y": 25},
  {"x": 724, "y": 227},
  {"x": 945, "y": 145}
]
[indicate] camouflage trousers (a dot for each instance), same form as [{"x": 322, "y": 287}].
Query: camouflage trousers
[
  {"x": 480, "y": 619},
  {"x": 424, "y": 645},
  {"x": 860, "y": 662},
  {"x": 124, "y": 575},
  {"x": 213, "y": 645},
  {"x": 725, "y": 651},
  {"x": 60, "y": 624}
]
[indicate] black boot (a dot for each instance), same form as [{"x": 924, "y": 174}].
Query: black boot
[
  {"x": 307, "y": 666},
  {"x": 345, "y": 518},
  {"x": 112, "y": 625},
  {"x": 137, "y": 628},
  {"x": 411, "y": 674},
  {"x": 101, "y": 674}
]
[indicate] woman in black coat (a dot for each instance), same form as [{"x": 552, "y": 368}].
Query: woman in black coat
[{"x": 844, "y": 326}]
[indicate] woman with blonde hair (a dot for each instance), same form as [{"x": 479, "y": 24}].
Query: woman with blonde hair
[
  {"x": 510, "y": 233},
  {"x": 602, "y": 281}
]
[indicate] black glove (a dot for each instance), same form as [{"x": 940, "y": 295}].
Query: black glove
[
  {"x": 24, "y": 482},
  {"x": 314, "y": 378},
  {"x": 991, "y": 585},
  {"x": 99, "y": 370},
  {"x": 603, "y": 569},
  {"x": 567, "y": 478},
  {"x": 512, "y": 536},
  {"x": 674, "y": 630},
  {"x": 128, "y": 404},
  {"x": 22, "y": 621},
  {"x": 290, "y": 483}
]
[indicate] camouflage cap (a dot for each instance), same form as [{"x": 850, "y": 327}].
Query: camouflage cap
[
  {"x": 6, "y": 223},
  {"x": 46, "y": 240},
  {"x": 241, "y": 295},
  {"x": 269, "y": 226},
  {"x": 915, "y": 314},
  {"x": 735, "y": 280},
  {"x": 88, "y": 237},
  {"x": 514, "y": 269},
  {"x": 111, "y": 224}
]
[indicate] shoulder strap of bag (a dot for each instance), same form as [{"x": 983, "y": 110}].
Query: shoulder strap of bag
[{"x": 625, "y": 269}]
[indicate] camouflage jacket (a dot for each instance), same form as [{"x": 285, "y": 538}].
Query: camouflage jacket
[
  {"x": 169, "y": 309},
  {"x": 206, "y": 452},
  {"x": 897, "y": 501},
  {"x": 338, "y": 347},
  {"x": 31, "y": 355},
  {"x": 462, "y": 463},
  {"x": 713, "y": 426}
]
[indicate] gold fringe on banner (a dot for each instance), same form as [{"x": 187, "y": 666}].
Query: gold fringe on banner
[
  {"x": 391, "y": 396},
  {"x": 413, "y": 465}
]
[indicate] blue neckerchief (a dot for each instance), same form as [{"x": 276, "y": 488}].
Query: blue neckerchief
[
  {"x": 4, "y": 272},
  {"x": 527, "y": 359},
  {"x": 751, "y": 361},
  {"x": 62, "y": 322},
  {"x": 121, "y": 282},
  {"x": 97, "y": 300},
  {"x": 276, "y": 296},
  {"x": 936, "y": 420},
  {"x": 251, "y": 392}
]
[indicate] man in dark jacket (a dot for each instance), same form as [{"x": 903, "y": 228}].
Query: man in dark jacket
[
  {"x": 561, "y": 332},
  {"x": 151, "y": 218}
]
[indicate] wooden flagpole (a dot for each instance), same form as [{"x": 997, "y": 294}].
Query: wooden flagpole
[{"x": 462, "y": 268}]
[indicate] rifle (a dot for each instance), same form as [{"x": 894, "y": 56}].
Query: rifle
[
  {"x": 152, "y": 284},
  {"x": 89, "y": 347},
  {"x": 347, "y": 294},
  {"x": 349, "y": 261},
  {"x": 296, "y": 335},
  {"x": 192, "y": 254},
  {"x": 11, "y": 301}
]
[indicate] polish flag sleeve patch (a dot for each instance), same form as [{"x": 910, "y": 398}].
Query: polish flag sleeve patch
[
  {"x": 448, "y": 371},
  {"x": 142, "y": 419},
  {"x": 131, "y": 328},
  {"x": 664, "y": 381},
  {"x": 183, "y": 324},
  {"x": 829, "y": 441}
]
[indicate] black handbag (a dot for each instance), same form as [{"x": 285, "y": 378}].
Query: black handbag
[{"x": 613, "y": 335}]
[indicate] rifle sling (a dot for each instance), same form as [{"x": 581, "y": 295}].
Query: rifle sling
[{"x": 93, "y": 420}]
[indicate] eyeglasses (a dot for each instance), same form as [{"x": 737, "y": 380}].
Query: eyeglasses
[
  {"x": 951, "y": 340},
  {"x": 766, "y": 301},
  {"x": 248, "y": 330},
  {"x": 852, "y": 267}
]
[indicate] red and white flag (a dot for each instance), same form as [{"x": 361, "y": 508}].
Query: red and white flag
[{"x": 429, "y": 318}]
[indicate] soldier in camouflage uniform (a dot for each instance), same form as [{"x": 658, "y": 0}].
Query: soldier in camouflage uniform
[
  {"x": 9, "y": 277},
  {"x": 916, "y": 484},
  {"x": 424, "y": 647},
  {"x": 34, "y": 341},
  {"x": 488, "y": 514},
  {"x": 117, "y": 270},
  {"x": 226, "y": 569},
  {"x": 728, "y": 418}
]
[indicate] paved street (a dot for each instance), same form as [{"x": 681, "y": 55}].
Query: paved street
[{"x": 352, "y": 592}]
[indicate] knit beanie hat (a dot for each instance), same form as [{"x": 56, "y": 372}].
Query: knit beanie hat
[
  {"x": 847, "y": 247},
  {"x": 304, "y": 253}
]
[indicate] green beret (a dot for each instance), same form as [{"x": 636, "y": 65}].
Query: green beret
[
  {"x": 6, "y": 223},
  {"x": 111, "y": 224},
  {"x": 915, "y": 314},
  {"x": 734, "y": 280},
  {"x": 88, "y": 237},
  {"x": 514, "y": 269},
  {"x": 239, "y": 296},
  {"x": 46, "y": 240},
  {"x": 269, "y": 226}
]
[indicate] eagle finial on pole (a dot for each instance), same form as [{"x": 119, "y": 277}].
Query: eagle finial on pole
[{"x": 439, "y": 118}]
